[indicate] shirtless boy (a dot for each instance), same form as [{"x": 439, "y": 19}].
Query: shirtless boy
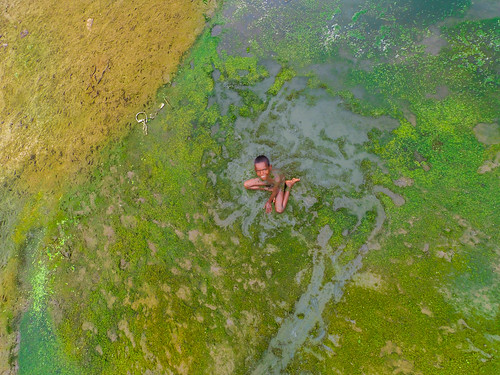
[{"x": 272, "y": 180}]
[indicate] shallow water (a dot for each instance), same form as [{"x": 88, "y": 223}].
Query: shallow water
[
  {"x": 186, "y": 273},
  {"x": 321, "y": 290},
  {"x": 302, "y": 139},
  {"x": 307, "y": 133},
  {"x": 311, "y": 136}
]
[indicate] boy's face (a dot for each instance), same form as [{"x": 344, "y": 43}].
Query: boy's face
[{"x": 262, "y": 170}]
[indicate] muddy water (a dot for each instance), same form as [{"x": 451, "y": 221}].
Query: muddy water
[
  {"x": 73, "y": 76},
  {"x": 78, "y": 73}
]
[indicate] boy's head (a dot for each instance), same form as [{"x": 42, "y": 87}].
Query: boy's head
[
  {"x": 261, "y": 159},
  {"x": 262, "y": 167}
]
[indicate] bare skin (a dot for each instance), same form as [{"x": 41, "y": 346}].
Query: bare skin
[{"x": 272, "y": 181}]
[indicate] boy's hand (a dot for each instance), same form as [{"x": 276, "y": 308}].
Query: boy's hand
[{"x": 268, "y": 207}]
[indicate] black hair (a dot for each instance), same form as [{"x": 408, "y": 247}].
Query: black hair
[{"x": 262, "y": 158}]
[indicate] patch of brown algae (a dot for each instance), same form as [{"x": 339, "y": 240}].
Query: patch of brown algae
[{"x": 73, "y": 75}]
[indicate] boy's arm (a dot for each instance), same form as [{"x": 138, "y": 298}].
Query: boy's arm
[
  {"x": 252, "y": 185},
  {"x": 266, "y": 188},
  {"x": 269, "y": 204},
  {"x": 275, "y": 190}
]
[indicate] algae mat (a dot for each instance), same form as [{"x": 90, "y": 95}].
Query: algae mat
[
  {"x": 74, "y": 75},
  {"x": 386, "y": 259}
]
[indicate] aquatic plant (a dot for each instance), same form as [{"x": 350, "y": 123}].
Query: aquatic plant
[{"x": 384, "y": 259}]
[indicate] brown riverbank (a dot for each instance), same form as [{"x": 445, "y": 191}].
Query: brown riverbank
[{"x": 73, "y": 75}]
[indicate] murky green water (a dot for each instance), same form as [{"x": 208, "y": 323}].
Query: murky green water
[{"x": 385, "y": 260}]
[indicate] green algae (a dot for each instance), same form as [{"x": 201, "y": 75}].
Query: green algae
[
  {"x": 144, "y": 274},
  {"x": 439, "y": 151},
  {"x": 39, "y": 347},
  {"x": 474, "y": 45},
  {"x": 452, "y": 156},
  {"x": 284, "y": 75}
]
